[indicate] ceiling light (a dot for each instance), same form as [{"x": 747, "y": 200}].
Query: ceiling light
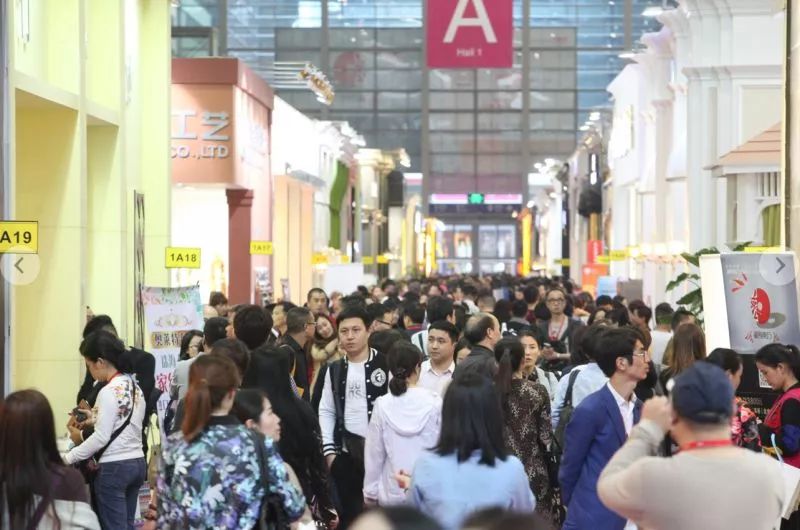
[
  {"x": 627, "y": 55},
  {"x": 652, "y": 11},
  {"x": 584, "y": 128}
]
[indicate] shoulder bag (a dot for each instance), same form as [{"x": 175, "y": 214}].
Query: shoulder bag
[
  {"x": 566, "y": 412},
  {"x": 89, "y": 467}
]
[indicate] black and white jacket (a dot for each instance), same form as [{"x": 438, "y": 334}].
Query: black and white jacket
[{"x": 332, "y": 404}]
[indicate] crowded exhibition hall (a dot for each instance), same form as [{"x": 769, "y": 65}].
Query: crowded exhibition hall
[{"x": 399, "y": 265}]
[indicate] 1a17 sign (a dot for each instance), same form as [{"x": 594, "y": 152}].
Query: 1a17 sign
[{"x": 470, "y": 33}]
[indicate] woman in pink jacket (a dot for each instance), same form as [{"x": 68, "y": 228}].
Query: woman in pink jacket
[{"x": 404, "y": 423}]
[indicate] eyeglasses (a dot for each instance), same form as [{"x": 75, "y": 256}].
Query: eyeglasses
[
  {"x": 556, "y": 300},
  {"x": 640, "y": 353}
]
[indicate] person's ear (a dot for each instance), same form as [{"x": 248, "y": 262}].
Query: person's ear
[{"x": 250, "y": 424}]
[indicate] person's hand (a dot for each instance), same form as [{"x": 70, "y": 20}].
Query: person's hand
[
  {"x": 74, "y": 431},
  {"x": 659, "y": 411},
  {"x": 403, "y": 479},
  {"x": 329, "y": 459},
  {"x": 549, "y": 353}
]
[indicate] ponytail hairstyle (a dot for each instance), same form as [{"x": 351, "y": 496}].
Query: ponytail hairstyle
[
  {"x": 211, "y": 378},
  {"x": 774, "y": 354},
  {"x": 509, "y": 353},
  {"x": 404, "y": 358},
  {"x": 105, "y": 345}
]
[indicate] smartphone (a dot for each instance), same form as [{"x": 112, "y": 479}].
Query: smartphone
[{"x": 79, "y": 415}]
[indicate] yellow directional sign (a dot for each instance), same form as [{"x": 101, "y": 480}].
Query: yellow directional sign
[
  {"x": 603, "y": 260},
  {"x": 383, "y": 260},
  {"x": 345, "y": 260},
  {"x": 319, "y": 259},
  {"x": 182, "y": 258},
  {"x": 564, "y": 262},
  {"x": 19, "y": 237},
  {"x": 762, "y": 250},
  {"x": 368, "y": 260},
  {"x": 262, "y": 248},
  {"x": 618, "y": 255}
]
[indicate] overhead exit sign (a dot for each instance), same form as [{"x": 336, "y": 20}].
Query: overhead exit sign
[{"x": 475, "y": 198}]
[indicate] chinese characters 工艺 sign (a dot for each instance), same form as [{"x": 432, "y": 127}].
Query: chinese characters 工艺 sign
[{"x": 470, "y": 33}]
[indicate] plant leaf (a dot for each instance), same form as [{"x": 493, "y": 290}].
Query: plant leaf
[{"x": 692, "y": 298}]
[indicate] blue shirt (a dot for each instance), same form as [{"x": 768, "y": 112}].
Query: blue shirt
[{"x": 450, "y": 491}]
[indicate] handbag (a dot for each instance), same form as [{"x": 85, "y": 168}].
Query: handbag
[
  {"x": 566, "y": 412},
  {"x": 271, "y": 515},
  {"x": 91, "y": 465}
]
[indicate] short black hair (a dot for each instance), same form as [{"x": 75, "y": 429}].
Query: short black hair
[
  {"x": 461, "y": 316},
  {"x": 377, "y": 311},
  {"x": 531, "y": 294},
  {"x": 519, "y": 308},
  {"x": 640, "y": 309},
  {"x": 297, "y": 319},
  {"x": 472, "y": 420},
  {"x": 615, "y": 343},
  {"x": 447, "y": 327},
  {"x": 235, "y": 350},
  {"x": 217, "y": 298},
  {"x": 680, "y": 316},
  {"x": 469, "y": 291},
  {"x": 478, "y": 326},
  {"x": 414, "y": 311},
  {"x": 604, "y": 299},
  {"x": 252, "y": 325},
  {"x": 353, "y": 311},
  {"x": 664, "y": 314},
  {"x": 726, "y": 359},
  {"x": 215, "y": 329},
  {"x": 405, "y": 518},
  {"x": 439, "y": 308},
  {"x": 315, "y": 290},
  {"x": 186, "y": 340},
  {"x": 384, "y": 339},
  {"x": 355, "y": 299},
  {"x": 97, "y": 323},
  {"x": 486, "y": 299}
]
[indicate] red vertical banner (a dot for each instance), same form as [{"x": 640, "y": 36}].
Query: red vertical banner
[
  {"x": 594, "y": 248},
  {"x": 470, "y": 33}
]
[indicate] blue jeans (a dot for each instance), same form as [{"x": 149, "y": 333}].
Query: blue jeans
[{"x": 116, "y": 489}]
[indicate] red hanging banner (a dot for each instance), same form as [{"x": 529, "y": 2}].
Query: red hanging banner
[{"x": 470, "y": 33}]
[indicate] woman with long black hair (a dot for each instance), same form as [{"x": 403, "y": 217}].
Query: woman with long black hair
[
  {"x": 528, "y": 431},
  {"x": 470, "y": 467},
  {"x": 114, "y": 450},
  {"x": 38, "y": 490},
  {"x": 301, "y": 438}
]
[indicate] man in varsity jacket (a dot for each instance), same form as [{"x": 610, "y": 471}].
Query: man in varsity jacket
[{"x": 351, "y": 387}]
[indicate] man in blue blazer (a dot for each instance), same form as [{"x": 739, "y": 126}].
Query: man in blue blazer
[{"x": 599, "y": 427}]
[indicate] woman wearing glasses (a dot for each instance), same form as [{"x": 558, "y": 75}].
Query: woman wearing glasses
[{"x": 557, "y": 332}]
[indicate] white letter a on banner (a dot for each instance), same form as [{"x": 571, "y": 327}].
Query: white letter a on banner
[{"x": 482, "y": 20}]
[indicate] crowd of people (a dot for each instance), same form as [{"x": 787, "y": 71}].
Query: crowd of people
[{"x": 464, "y": 402}]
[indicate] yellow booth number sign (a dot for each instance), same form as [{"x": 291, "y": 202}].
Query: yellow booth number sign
[
  {"x": 19, "y": 237},
  {"x": 182, "y": 258}
]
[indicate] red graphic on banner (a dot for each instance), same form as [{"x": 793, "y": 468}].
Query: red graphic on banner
[
  {"x": 594, "y": 248},
  {"x": 470, "y": 33},
  {"x": 760, "y": 306}
]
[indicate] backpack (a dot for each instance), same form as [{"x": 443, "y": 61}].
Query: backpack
[{"x": 566, "y": 411}]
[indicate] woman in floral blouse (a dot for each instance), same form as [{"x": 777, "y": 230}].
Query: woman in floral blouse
[
  {"x": 744, "y": 425},
  {"x": 528, "y": 431},
  {"x": 211, "y": 475}
]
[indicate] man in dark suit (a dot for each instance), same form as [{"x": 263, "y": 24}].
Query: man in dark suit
[{"x": 599, "y": 427}]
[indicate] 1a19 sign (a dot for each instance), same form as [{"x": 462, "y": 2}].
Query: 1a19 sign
[{"x": 470, "y": 33}]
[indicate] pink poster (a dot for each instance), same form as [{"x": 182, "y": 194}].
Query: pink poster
[{"x": 470, "y": 33}]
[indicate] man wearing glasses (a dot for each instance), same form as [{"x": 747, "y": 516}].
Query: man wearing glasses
[
  {"x": 558, "y": 331},
  {"x": 300, "y": 327},
  {"x": 599, "y": 426}
]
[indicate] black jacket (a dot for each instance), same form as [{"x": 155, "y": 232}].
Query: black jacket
[
  {"x": 300, "y": 364},
  {"x": 480, "y": 359}
]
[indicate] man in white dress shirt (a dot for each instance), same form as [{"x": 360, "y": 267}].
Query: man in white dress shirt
[{"x": 437, "y": 371}]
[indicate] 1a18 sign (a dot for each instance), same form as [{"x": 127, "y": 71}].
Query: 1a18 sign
[{"x": 470, "y": 33}]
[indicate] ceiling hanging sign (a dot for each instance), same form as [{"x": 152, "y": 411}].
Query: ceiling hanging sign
[{"x": 470, "y": 33}]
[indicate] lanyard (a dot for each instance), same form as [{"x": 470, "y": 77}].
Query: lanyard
[{"x": 708, "y": 444}]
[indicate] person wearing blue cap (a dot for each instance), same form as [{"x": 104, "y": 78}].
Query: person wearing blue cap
[{"x": 711, "y": 484}]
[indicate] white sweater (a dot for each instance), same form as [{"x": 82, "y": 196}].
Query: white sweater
[{"x": 112, "y": 409}]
